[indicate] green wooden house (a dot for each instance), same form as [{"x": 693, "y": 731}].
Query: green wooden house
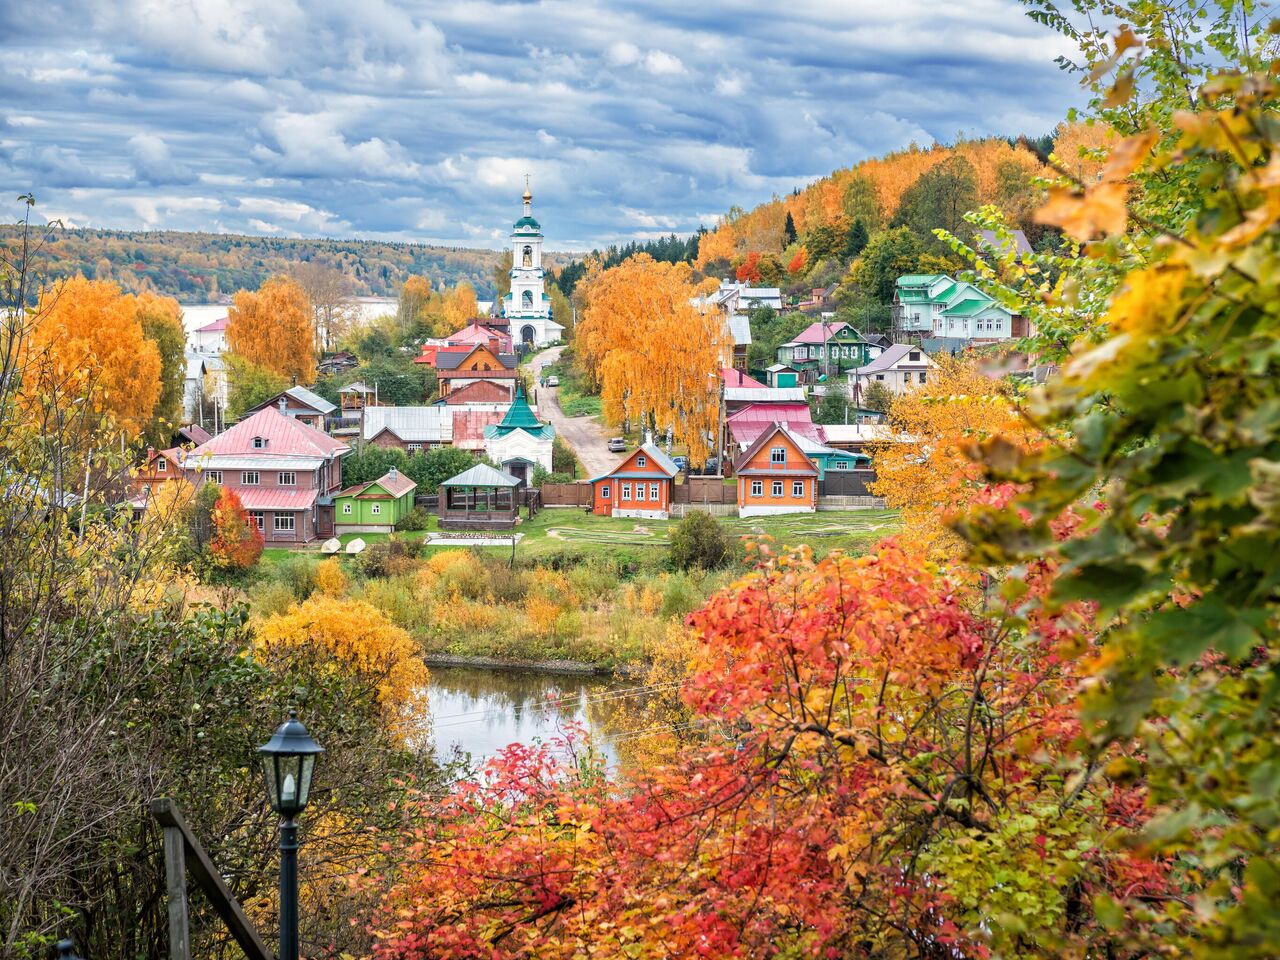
[
  {"x": 826, "y": 348},
  {"x": 376, "y": 506}
]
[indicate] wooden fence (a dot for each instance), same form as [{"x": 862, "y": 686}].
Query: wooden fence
[
  {"x": 566, "y": 494},
  {"x": 704, "y": 490},
  {"x": 841, "y": 483}
]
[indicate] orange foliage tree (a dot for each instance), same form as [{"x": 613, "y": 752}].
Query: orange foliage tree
[
  {"x": 654, "y": 355},
  {"x": 359, "y": 636},
  {"x": 237, "y": 541},
  {"x": 86, "y": 337},
  {"x": 923, "y": 469},
  {"x": 274, "y": 329},
  {"x": 749, "y": 270},
  {"x": 882, "y": 769},
  {"x": 460, "y": 306},
  {"x": 798, "y": 263}
]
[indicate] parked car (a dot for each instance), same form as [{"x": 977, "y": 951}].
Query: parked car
[
  {"x": 553, "y": 381},
  {"x": 682, "y": 463},
  {"x": 712, "y": 466},
  {"x": 618, "y": 445}
]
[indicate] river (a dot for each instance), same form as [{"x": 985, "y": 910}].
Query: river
[{"x": 481, "y": 710}]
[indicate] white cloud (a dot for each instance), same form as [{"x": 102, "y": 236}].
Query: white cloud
[
  {"x": 312, "y": 145},
  {"x": 153, "y": 162},
  {"x": 729, "y": 85},
  {"x": 622, "y": 54},
  {"x": 660, "y": 63}
]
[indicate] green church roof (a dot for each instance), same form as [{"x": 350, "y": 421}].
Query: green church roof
[
  {"x": 519, "y": 417},
  {"x": 525, "y": 223}
]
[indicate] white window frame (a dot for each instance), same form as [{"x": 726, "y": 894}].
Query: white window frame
[
  {"x": 757, "y": 488},
  {"x": 213, "y": 476},
  {"x": 879, "y": 376},
  {"x": 923, "y": 376},
  {"x": 778, "y": 455},
  {"x": 259, "y": 443},
  {"x": 640, "y": 492},
  {"x": 259, "y": 518},
  {"x": 377, "y": 509},
  {"x": 642, "y": 461},
  {"x": 776, "y": 488},
  {"x": 840, "y": 465},
  {"x": 283, "y": 523},
  {"x": 914, "y": 356},
  {"x": 626, "y": 491},
  {"x": 246, "y": 482},
  {"x": 287, "y": 478},
  {"x": 162, "y": 465},
  {"x": 654, "y": 495},
  {"x": 346, "y": 509},
  {"x": 605, "y": 489},
  {"x": 413, "y": 447},
  {"x": 797, "y": 488}
]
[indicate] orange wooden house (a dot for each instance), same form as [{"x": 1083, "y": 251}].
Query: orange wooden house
[
  {"x": 775, "y": 476},
  {"x": 640, "y": 486},
  {"x": 481, "y": 363}
]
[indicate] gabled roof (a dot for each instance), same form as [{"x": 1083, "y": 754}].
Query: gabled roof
[
  {"x": 194, "y": 433},
  {"x": 481, "y": 391},
  {"x": 475, "y": 333},
  {"x": 920, "y": 279},
  {"x": 452, "y": 359},
  {"x": 740, "y": 329},
  {"x": 482, "y": 475},
  {"x": 820, "y": 331},
  {"x": 432, "y": 424},
  {"x": 1019, "y": 242},
  {"x": 766, "y": 436},
  {"x": 969, "y": 306},
  {"x": 891, "y": 356},
  {"x": 303, "y": 396},
  {"x": 764, "y": 394},
  {"x": 217, "y": 326},
  {"x": 734, "y": 377},
  {"x": 520, "y": 417},
  {"x": 356, "y": 387},
  {"x": 284, "y": 436},
  {"x": 666, "y": 466},
  {"x": 393, "y": 482}
]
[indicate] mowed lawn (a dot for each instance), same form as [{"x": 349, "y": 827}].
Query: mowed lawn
[{"x": 572, "y": 530}]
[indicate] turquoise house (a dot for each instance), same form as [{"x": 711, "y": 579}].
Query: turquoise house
[
  {"x": 376, "y": 506},
  {"x": 828, "y": 458}
]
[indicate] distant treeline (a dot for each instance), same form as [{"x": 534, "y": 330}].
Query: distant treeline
[
  {"x": 668, "y": 249},
  {"x": 196, "y": 267}
]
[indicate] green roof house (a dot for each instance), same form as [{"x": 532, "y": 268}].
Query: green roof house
[
  {"x": 932, "y": 305},
  {"x": 824, "y": 348},
  {"x": 520, "y": 443},
  {"x": 376, "y": 506}
]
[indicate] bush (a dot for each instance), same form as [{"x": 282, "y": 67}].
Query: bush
[
  {"x": 330, "y": 578},
  {"x": 298, "y": 573},
  {"x": 395, "y": 555},
  {"x": 419, "y": 518},
  {"x": 699, "y": 541},
  {"x": 541, "y": 475},
  {"x": 562, "y": 459}
]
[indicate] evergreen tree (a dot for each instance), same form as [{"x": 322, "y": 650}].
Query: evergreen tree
[
  {"x": 855, "y": 240},
  {"x": 789, "y": 231}
]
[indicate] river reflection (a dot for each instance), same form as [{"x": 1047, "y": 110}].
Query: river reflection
[{"x": 479, "y": 711}]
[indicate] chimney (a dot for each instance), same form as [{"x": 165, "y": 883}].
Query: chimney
[
  {"x": 151, "y": 454},
  {"x": 283, "y": 404},
  {"x": 392, "y": 473},
  {"x": 493, "y": 345}
]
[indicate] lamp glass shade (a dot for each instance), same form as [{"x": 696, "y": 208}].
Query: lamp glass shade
[{"x": 288, "y": 764}]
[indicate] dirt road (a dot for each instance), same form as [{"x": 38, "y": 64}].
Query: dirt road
[{"x": 587, "y": 437}]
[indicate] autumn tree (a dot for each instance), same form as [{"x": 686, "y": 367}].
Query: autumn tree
[
  {"x": 502, "y": 274},
  {"x": 460, "y": 307},
  {"x": 87, "y": 338},
  {"x": 328, "y": 290},
  {"x": 654, "y": 355},
  {"x": 161, "y": 322},
  {"x": 237, "y": 541},
  {"x": 877, "y": 397},
  {"x": 922, "y": 469},
  {"x": 887, "y": 256},
  {"x": 561, "y": 310},
  {"x": 940, "y": 198},
  {"x": 415, "y": 305},
  {"x": 274, "y": 329},
  {"x": 360, "y": 637},
  {"x": 249, "y": 384}
]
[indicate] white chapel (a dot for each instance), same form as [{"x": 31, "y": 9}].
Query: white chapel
[{"x": 527, "y": 307}]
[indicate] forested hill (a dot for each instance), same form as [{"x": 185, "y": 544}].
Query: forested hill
[{"x": 197, "y": 267}]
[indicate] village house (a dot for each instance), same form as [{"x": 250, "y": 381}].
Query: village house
[
  {"x": 301, "y": 404},
  {"x": 410, "y": 429},
  {"x": 284, "y": 472},
  {"x": 336, "y": 363},
  {"x": 520, "y": 443},
  {"x": 205, "y": 388},
  {"x": 933, "y": 305},
  {"x": 775, "y": 476},
  {"x": 479, "y": 391},
  {"x": 782, "y": 376},
  {"x": 640, "y": 486},
  {"x": 211, "y": 338},
  {"x": 376, "y": 506},
  {"x": 902, "y": 367},
  {"x": 735, "y": 398},
  {"x": 480, "y": 364},
  {"x": 826, "y": 348},
  {"x": 354, "y": 397},
  {"x": 819, "y": 299},
  {"x": 737, "y": 298},
  {"x": 739, "y": 325}
]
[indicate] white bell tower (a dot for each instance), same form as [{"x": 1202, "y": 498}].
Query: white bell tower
[{"x": 527, "y": 307}]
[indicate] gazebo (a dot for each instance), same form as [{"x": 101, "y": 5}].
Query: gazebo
[{"x": 480, "y": 498}]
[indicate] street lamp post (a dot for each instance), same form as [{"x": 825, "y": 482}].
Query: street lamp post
[{"x": 288, "y": 762}]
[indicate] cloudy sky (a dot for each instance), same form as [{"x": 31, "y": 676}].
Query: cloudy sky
[{"x": 416, "y": 120}]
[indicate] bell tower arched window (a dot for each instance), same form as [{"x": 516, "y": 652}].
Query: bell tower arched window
[{"x": 528, "y": 256}]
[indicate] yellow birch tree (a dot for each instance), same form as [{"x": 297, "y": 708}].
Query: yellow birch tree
[{"x": 274, "y": 329}]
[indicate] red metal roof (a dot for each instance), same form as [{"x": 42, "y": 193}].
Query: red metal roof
[
  {"x": 217, "y": 326},
  {"x": 285, "y": 436},
  {"x": 468, "y": 427},
  {"x": 819, "y": 332},
  {"x": 275, "y": 498},
  {"x": 473, "y": 333},
  {"x": 747, "y": 424},
  {"x": 736, "y": 378},
  {"x": 393, "y": 481}
]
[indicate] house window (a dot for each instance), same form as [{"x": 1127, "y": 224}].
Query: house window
[
  {"x": 802, "y": 353},
  {"x": 777, "y": 488},
  {"x": 642, "y": 461},
  {"x": 906, "y": 377},
  {"x": 922, "y": 376},
  {"x": 604, "y": 492},
  {"x": 413, "y": 447},
  {"x": 259, "y": 442},
  {"x": 213, "y": 476},
  {"x": 257, "y": 516},
  {"x": 879, "y": 376},
  {"x": 436, "y": 446},
  {"x": 797, "y": 488},
  {"x": 346, "y": 509},
  {"x": 249, "y": 478},
  {"x": 653, "y": 492},
  {"x": 284, "y": 522},
  {"x": 757, "y": 488},
  {"x": 288, "y": 479},
  {"x": 377, "y": 509},
  {"x": 840, "y": 465},
  {"x": 639, "y": 491},
  {"x": 626, "y": 491},
  {"x": 162, "y": 465},
  {"x": 913, "y": 356},
  {"x": 778, "y": 455}
]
